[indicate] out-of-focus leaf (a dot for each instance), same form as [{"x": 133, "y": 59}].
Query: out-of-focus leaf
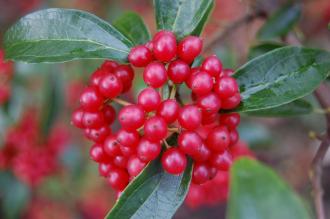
[
  {"x": 263, "y": 48},
  {"x": 255, "y": 134},
  {"x": 58, "y": 35},
  {"x": 132, "y": 26},
  {"x": 227, "y": 56},
  {"x": 281, "y": 22},
  {"x": 183, "y": 17},
  {"x": 197, "y": 62},
  {"x": 280, "y": 77},
  {"x": 257, "y": 192}
]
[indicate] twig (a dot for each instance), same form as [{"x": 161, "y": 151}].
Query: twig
[
  {"x": 222, "y": 34},
  {"x": 173, "y": 91},
  {"x": 121, "y": 102},
  {"x": 322, "y": 95}
]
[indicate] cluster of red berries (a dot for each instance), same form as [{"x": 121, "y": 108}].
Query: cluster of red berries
[
  {"x": 26, "y": 155},
  {"x": 216, "y": 190},
  {"x": 6, "y": 74},
  {"x": 145, "y": 126}
]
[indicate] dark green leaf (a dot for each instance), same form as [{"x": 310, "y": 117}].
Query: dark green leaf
[
  {"x": 132, "y": 26},
  {"x": 295, "y": 108},
  {"x": 281, "y": 22},
  {"x": 263, "y": 48},
  {"x": 197, "y": 62},
  {"x": 152, "y": 194},
  {"x": 281, "y": 76},
  {"x": 58, "y": 35},
  {"x": 183, "y": 17},
  {"x": 256, "y": 135},
  {"x": 257, "y": 192}
]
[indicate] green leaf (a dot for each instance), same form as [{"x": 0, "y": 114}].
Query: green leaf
[
  {"x": 132, "y": 26},
  {"x": 257, "y": 192},
  {"x": 281, "y": 22},
  {"x": 263, "y": 48},
  {"x": 296, "y": 108},
  {"x": 281, "y": 76},
  {"x": 58, "y": 35},
  {"x": 183, "y": 17},
  {"x": 152, "y": 194},
  {"x": 197, "y": 62}
]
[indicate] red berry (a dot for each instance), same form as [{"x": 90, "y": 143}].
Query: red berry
[
  {"x": 212, "y": 65},
  {"x": 135, "y": 166},
  {"x": 222, "y": 161},
  {"x": 96, "y": 77},
  {"x": 227, "y": 72},
  {"x": 155, "y": 75},
  {"x": 77, "y": 118},
  {"x": 178, "y": 71},
  {"x": 140, "y": 56},
  {"x": 128, "y": 139},
  {"x": 131, "y": 117},
  {"x": 93, "y": 119},
  {"x": 189, "y": 142},
  {"x": 111, "y": 146},
  {"x": 110, "y": 86},
  {"x": 127, "y": 151},
  {"x": 125, "y": 74},
  {"x": 174, "y": 161},
  {"x": 105, "y": 168},
  {"x": 109, "y": 114},
  {"x": 226, "y": 87},
  {"x": 149, "y": 99},
  {"x": 231, "y": 102},
  {"x": 109, "y": 66},
  {"x": 203, "y": 153},
  {"x": 118, "y": 179},
  {"x": 189, "y": 48},
  {"x": 218, "y": 139},
  {"x": 148, "y": 150},
  {"x": 231, "y": 120},
  {"x": 155, "y": 129},
  {"x": 120, "y": 161},
  {"x": 209, "y": 117},
  {"x": 190, "y": 117},
  {"x": 209, "y": 103},
  {"x": 234, "y": 136},
  {"x": 164, "y": 46},
  {"x": 201, "y": 83},
  {"x": 100, "y": 134},
  {"x": 169, "y": 110},
  {"x": 97, "y": 153},
  {"x": 201, "y": 173},
  {"x": 91, "y": 99}
]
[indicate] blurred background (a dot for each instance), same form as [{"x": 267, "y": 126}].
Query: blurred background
[{"x": 45, "y": 170}]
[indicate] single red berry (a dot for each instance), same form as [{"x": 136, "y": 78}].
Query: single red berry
[
  {"x": 226, "y": 87},
  {"x": 209, "y": 117},
  {"x": 189, "y": 142},
  {"x": 148, "y": 150},
  {"x": 100, "y": 134},
  {"x": 128, "y": 138},
  {"x": 149, "y": 99},
  {"x": 189, "y": 48},
  {"x": 174, "y": 161},
  {"x": 140, "y": 56},
  {"x": 91, "y": 99},
  {"x": 190, "y": 117},
  {"x": 155, "y": 129},
  {"x": 201, "y": 173},
  {"x": 96, "y": 77},
  {"x": 109, "y": 66},
  {"x": 131, "y": 117},
  {"x": 105, "y": 168},
  {"x": 203, "y": 154},
  {"x": 218, "y": 139},
  {"x": 234, "y": 136},
  {"x": 125, "y": 74},
  {"x": 111, "y": 146},
  {"x": 178, "y": 71},
  {"x": 127, "y": 151},
  {"x": 210, "y": 103},
  {"x": 97, "y": 153},
  {"x": 93, "y": 119},
  {"x": 110, "y": 86},
  {"x": 212, "y": 65},
  {"x": 231, "y": 102},
  {"x": 120, "y": 161},
  {"x": 201, "y": 83},
  {"x": 222, "y": 161},
  {"x": 155, "y": 75},
  {"x": 118, "y": 179},
  {"x": 135, "y": 166},
  {"x": 164, "y": 46},
  {"x": 169, "y": 110},
  {"x": 77, "y": 118},
  {"x": 109, "y": 114},
  {"x": 231, "y": 120},
  {"x": 193, "y": 71}
]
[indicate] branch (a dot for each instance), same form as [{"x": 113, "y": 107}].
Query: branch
[
  {"x": 222, "y": 34},
  {"x": 322, "y": 95}
]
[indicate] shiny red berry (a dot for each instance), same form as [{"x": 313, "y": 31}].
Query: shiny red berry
[
  {"x": 164, "y": 46},
  {"x": 174, "y": 161},
  {"x": 155, "y": 129},
  {"x": 109, "y": 66},
  {"x": 148, "y": 150},
  {"x": 91, "y": 99},
  {"x": 226, "y": 87},
  {"x": 155, "y": 75},
  {"x": 222, "y": 161},
  {"x": 149, "y": 99},
  {"x": 140, "y": 56},
  {"x": 97, "y": 153},
  {"x": 109, "y": 114},
  {"x": 190, "y": 117},
  {"x": 110, "y": 86},
  {"x": 131, "y": 117},
  {"x": 178, "y": 71},
  {"x": 189, "y": 48},
  {"x": 118, "y": 179},
  {"x": 125, "y": 74},
  {"x": 77, "y": 118},
  {"x": 169, "y": 110},
  {"x": 128, "y": 138},
  {"x": 231, "y": 120},
  {"x": 105, "y": 168},
  {"x": 189, "y": 142},
  {"x": 218, "y": 139},
  {"x": 212, "y": 65},
  {"x": 201, "y": 173},
  {"x": 210, "y": 103},
  {"x": 111, "y": 146},
  {"x": 135, "y": 166},
  {"x": 231, "y": 102},
  {"x": 201, "y": 83},
  {"x": 120, "y": 161},
  {"x": 93, "y": 119},
  {"x": 98, "y": 135}
]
